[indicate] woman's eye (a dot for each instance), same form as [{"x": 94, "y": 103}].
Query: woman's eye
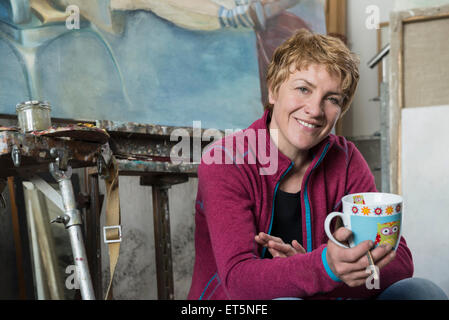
[
  {"x": 303, "y": 89},
  {"x": 334, "y": 101}
]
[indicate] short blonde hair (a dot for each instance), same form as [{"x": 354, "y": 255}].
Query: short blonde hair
[{"x": 305, "y": 48}]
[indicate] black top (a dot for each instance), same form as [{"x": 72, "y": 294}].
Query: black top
[{"x": 287, "y": 223}]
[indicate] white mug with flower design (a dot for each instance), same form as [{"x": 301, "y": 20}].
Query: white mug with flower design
[{"x": 372, "y": 216}]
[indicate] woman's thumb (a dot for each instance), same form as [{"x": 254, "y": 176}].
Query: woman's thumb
[{"x": 342, "y": 234}]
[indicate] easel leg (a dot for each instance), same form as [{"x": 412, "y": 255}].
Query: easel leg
[
  {"x": 164, "y": 267},
  {"x": 93, "y": 234},
  {"x": 72, "y": 221}
]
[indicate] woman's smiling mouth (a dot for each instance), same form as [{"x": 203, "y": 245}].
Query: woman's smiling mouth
[{"x": 307, "y": 124}]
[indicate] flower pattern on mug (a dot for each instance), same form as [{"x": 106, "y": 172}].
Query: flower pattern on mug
[
  {"x": 378, "y": 211},
  {"x": 355, "y": 209},
  {"x": 366, "y": 211},
  {"x": 398, "y": 208},
  {"x": 389, "y": 210}
]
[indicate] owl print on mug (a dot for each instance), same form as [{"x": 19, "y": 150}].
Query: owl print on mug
[{"x": 387, "y": 233}]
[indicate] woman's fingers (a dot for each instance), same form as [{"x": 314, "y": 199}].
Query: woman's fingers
[
  {"x": 386, "y": 259},
  {"x": 298, "y": 247},
  {"x": 342, "y": 234},
  {"x": 263, "y": 239},
  {"x": 283, "y": 248},
  {"x": 267, "y": 237},
  {"x": 259, "y": 240},
  {"x": 351, "y": 264},
  {"x": 277, "y": 247},
  {"x": 382, "y": 255},
  {"x": 276, "y": 253}
]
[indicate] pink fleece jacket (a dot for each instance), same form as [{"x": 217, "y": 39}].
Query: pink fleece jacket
[{"x": 235, "y": 202}]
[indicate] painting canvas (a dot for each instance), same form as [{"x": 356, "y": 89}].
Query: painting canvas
[{"x": 167, "y": 62}]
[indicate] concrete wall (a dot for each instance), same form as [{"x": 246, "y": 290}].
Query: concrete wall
[
  {"x": 364, "y": 116},
  {"x": 136, "y": 270}
]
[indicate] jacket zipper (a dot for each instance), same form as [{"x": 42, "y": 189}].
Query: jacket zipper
[
  {"x": 272, "y": 207},
  {"x": 307, "y": 202}
]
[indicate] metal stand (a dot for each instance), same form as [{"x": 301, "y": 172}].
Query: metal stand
[
  {"x": 32, "y": 153},
  {"x": 381, "y": 56},
  {"x": 72, "y": 222}
]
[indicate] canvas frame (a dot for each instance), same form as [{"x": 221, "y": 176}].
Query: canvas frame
[{"x": 398, "y": 21}]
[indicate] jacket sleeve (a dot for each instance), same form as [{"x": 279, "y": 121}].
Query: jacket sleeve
[
  {"x": 229, "y": 210},
  {"x": 360, "y": 179}
]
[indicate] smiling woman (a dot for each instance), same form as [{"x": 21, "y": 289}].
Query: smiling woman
[
  {"x": 311, "y": 82},
  {"x": 306, "y": 108},
  {"x": 244, "y": 214}
]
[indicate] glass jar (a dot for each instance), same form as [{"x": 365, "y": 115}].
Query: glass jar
[{"x": 33, "y": 115}]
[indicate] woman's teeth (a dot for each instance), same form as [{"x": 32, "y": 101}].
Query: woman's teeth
[{"x": 308, "y": 125}]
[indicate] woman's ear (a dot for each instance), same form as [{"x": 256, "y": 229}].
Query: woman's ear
[{"x": 271, "y": 96}]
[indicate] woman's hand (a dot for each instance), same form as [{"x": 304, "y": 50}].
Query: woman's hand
[
  {"x": 277, "y": 247},
  {"x": 350, "y": 265}
]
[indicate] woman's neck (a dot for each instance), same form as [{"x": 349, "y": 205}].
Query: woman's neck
[{"x": 299, "y": 157}]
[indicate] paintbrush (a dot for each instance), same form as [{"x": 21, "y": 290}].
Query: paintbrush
[{"x": 372, "y": 265}]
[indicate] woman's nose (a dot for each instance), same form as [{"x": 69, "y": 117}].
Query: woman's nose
[{"x": 313, "y": 107}]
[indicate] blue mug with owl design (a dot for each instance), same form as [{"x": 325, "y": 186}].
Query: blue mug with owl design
[{"x": 372, "y": 216}]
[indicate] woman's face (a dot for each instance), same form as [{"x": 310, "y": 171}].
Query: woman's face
[{"x": 306, "y": 108}]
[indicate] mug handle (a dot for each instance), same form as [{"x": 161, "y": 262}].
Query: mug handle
[{"x": 327, "y": 227}]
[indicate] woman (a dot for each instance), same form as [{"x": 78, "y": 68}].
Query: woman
[{"x": 311, "y": 79}]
